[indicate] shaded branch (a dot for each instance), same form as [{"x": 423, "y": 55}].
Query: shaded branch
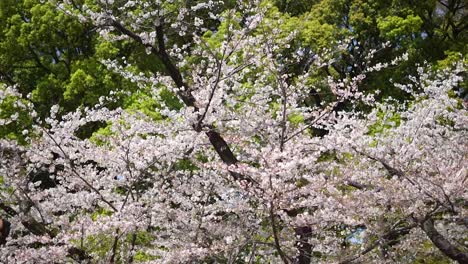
[
  {"x": 442, "y": 243},
  {"x": 161, "y": 52},
  {"x": 174, "y": 72},
  {"x": 275, "y": 235}
]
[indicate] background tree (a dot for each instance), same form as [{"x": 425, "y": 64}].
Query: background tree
[{"x": 429, "y": 31}]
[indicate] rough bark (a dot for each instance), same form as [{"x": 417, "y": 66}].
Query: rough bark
[
  {"x": 4, "y": 230},
  {"x": 442, "y": 243}
]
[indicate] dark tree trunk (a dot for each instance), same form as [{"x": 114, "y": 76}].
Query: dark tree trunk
[{"x": 442, "y": 243}]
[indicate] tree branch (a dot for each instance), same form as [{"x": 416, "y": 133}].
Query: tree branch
[
  {"x": 442, "y": 243},
  {"x": 275, "y": 235},
  {"x": 173, "y": 71}
]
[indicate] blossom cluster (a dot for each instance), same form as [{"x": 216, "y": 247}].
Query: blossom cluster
[{"x": 243, "y": 170}]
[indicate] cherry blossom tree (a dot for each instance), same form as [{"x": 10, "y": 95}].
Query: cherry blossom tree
[{"x": 239, "y": 169}]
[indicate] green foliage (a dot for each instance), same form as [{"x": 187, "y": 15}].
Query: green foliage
[
  {"x": 170, "y": 99},
  {"x": 87, "y": 130},
  {"x": 434, "y": 257},
  {"x": 144, "y": 103},
  {"x": 141, "y": 256},
  {"x": 295, "y": 119},
  {"x": 142, "y": 238},
  {"x": 5, "y": 189},
  {"x": 19, "y": 119},
  {"x": 302, "y": 182},
  {"x": 100, "y": 212},
  {"x": 99, "y": 244},
  {"x": 294, "y": 7},
  {"x": 327, "y": 156},
  {"x": 106, "y": 49},
  {"x": 445, "y": 121},
  {"x": 99, "y": 137},
  {"x": 420, "y": 28},
  {"x": 394, "y": 27},
  {"x": 186, "y": 165},
  {"x": 58, "y": 58},
  {"x": 54, "y": 56},
  {"x": 319, "y": 35},
  {"x": 80, "y": 81},
  {"x": 385, "y": 122}
]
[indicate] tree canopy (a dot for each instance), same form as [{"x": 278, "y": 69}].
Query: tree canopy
[{"x": 238, "y": 131}]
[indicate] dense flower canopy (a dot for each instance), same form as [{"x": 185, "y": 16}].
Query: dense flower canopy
[{"x": 232, "y": 164}]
